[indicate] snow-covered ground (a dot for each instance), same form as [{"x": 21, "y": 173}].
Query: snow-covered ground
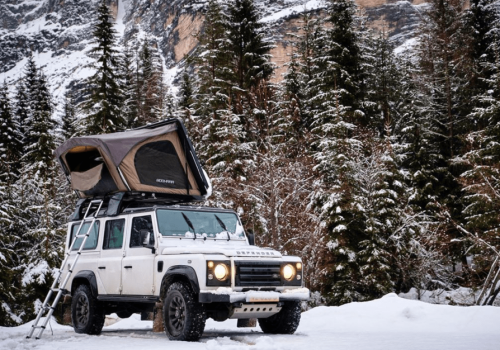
[{"x": 387, "y": 323}]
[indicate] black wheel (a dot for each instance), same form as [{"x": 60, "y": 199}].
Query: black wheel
[
  {"x": 183, "y": 316},
  {"x": 284, "y": 322},
  {"x": 86, "y": 312}
]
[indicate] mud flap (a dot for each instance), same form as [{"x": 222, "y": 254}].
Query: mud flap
[{"x": 158, "y": 318}]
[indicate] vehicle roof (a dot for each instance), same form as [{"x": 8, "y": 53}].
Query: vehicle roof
[{"x": 133, "y": 210}]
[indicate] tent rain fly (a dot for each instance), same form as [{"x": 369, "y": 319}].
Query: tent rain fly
[{"x": 157, "y": 158}]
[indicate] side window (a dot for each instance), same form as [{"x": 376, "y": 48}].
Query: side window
[
  {"x": 91, "y": 242},
  {"x": 113, "y": 234},
  {"x": 140, "y": 223}
]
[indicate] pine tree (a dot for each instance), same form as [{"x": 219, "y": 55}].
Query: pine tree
[
  {"x": 445, "y": 125},
  {"x": 249, "y": 63},
  {"x": 104, "y": 95},
  {"x": 481, "y": 180},
  {"x": 383, "y": 83},
  {"x": 342, "y": 63},
  {"x": 151, "y": 91},
  {"x": 250, "y": 60},
  {"x": 68, "y": 117},
  {"x": 27, "y": 87},
  {"x": 9, "y": 155},
  {"x": 130, "y": 87},
  {"x": 211, "y": 62},
  {"x": 185, "y": 105},
  {"x": 10, "y": 138},
  {"x": 21, "y": 108}
]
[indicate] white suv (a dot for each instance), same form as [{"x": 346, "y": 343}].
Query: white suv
[{"x": 197, "y": 261}]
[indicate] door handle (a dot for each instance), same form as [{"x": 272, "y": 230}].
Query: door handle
[
  {"x": 102, "y": 267},
  {"x": 128, "y": 267}
]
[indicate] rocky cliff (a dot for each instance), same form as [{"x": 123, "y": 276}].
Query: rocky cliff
[{"x": 59, "y": 31}]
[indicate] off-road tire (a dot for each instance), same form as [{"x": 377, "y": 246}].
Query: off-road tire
[
  {"x": 183, "y": 316},
  {"x": 87, "y": 314},
  {"x": 284, "y": 322}
]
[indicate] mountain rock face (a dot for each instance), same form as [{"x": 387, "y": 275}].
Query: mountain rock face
[{"x": 59, "y": 31}]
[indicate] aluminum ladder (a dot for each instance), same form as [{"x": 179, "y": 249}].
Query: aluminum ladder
[{"x": 97, "y": 204}]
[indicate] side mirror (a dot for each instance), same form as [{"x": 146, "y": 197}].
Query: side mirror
[
  {"x": 146, "y": 239},
  {"x": 251, "y": 237}
]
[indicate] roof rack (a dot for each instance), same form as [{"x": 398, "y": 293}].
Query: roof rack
[{"x": 115, "y": 204}]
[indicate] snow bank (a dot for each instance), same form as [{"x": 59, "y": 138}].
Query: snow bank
[{"x": 384, "y": 324}]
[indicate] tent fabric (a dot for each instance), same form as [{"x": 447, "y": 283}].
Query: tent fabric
[
  {"x": 86, "y": 180},
  {"x": 158, "y": 158}
]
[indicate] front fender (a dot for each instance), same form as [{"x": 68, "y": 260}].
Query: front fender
[{"x": 180, "y": 273}]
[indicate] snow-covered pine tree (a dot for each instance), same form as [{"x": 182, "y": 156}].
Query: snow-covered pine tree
[
  {"x": 210, "y": 88},
  {"x": 293, "y": 120},
  {"x": 150, "y": 84},
  {"x": 440, "y": 57},
  {"x": 21, "y": 108},
  {"x": 35, "y": 214},
  {"x": 129, "y": 72},
  {"x": 211, "y": 62},
  {"x": 343, "y": 61},
  {"x": 482, "y": 180},
  {"x": 104, "y": 95},
  {"x": 68, "y": 117},
  {"x": 10, "y": 139},
  {"x": 308, "y": 47},
  {"x": 383, "y": 83},
  {"x": 27, "y": 87},
  {"x": 10, "y": 153},
  {"x": 185, "y": 98},
  {"x": 249, "y": 63}
]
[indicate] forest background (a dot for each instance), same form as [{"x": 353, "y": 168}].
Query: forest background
[{"x": 380, "y": 170}]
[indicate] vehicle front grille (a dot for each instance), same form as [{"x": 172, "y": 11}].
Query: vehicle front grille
[{"x": 256, "y": 273}]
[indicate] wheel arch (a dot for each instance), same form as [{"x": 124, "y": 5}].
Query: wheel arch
[
  {"x": 180, "y": 273},
  {"x": 85, "y": 277}
]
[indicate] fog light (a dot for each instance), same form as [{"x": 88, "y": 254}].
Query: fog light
[
  {"x": 298, "y": 277},
  {"x": 210, "y": 276}
]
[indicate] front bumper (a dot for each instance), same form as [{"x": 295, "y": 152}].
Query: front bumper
[{"x": 227, "y": 295}]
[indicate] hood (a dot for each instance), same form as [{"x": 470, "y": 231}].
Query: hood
[{"x": 240, "y": 251}]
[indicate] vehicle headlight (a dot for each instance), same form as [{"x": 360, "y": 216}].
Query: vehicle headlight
[
  {"x": 218, "y": 273},
  {"x": 221, "y": 272},
  {"x": 288, "y": 272}
]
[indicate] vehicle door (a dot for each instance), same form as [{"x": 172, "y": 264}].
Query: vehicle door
[
  {"x": 90, "y": 252},
  {"x": 109, "y": 266},
  {"x": 138, "y": 262}
]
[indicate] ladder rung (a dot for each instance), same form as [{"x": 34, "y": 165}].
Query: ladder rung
[
  {"x": 38, "y": 326},
  {"x": 59, "y": 289}
]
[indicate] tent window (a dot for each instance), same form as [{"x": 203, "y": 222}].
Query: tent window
[
  {"x": 83, "y": 161},
  {"x": 158, "y": 164}
]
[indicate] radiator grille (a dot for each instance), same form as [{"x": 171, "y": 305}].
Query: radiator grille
[{"x": 254, "y": 273}]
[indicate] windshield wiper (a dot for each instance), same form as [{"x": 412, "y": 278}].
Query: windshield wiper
[
  {"x": 223, "y": 225},
  {"x": 190, "y": 224}
]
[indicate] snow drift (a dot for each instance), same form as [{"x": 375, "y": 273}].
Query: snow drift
[{"x": 387, "y": 323}]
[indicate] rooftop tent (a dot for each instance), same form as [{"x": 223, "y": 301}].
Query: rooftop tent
[{"x": 158, "y": 158}]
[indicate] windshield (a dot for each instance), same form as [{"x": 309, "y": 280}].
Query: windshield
[{"x": 173, "y": 223}]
